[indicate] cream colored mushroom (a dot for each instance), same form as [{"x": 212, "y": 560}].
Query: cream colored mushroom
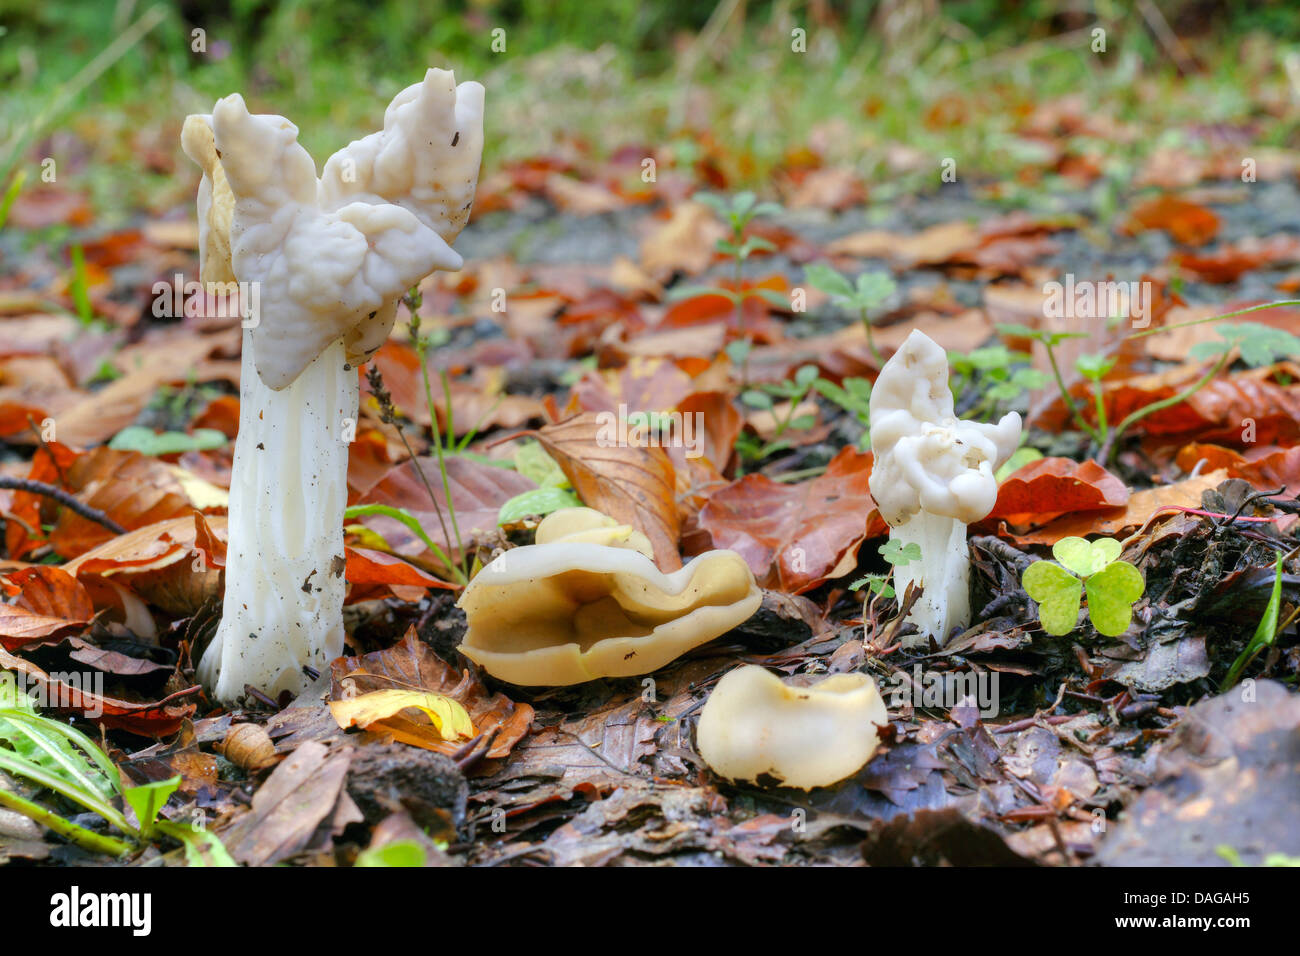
[
  {"x": 932, "y": 476},
  {"x": 587, "y": 601},
  {"x": 755, "y": 725}
]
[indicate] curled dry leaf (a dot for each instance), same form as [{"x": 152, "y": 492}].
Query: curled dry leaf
[
  {"x": 632, "y": 484},
  {"x": 1117, "y": 522},
  {"x": 412, "y": 666},
  {"x": 382, "y": 712},
  {"x": 1266, "y": 468},
  {"x": 158, "y": 718},
  {"x": 51, "y": 603},
  {"x": 1049, "y": 487}
]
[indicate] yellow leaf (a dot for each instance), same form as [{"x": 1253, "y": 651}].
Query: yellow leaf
[{"x": 448, "y": 717}]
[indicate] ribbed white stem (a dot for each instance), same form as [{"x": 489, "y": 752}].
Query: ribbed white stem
[
  {"x": 943, "y": 572},
  {"x": 284, "y": 565}
]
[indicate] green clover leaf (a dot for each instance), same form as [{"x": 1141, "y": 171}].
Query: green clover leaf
[
  {"x": 1111, "y": 593},
  {"x": 1057, "y": 592},
  {"x": 897, "y": 553},
  {"x": 1085, "y": 557}
]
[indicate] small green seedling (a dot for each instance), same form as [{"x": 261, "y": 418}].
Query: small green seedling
[
  {"x": 895, "y": 553},
  {"x": 1003, "y": 373},
  {"x": 1265, "y": 631},
  {"x": 1112, "y": 586},
  {"x": 870, "y": 291},
  {"x": 854, "y": 396},
  {"x": 739, "y": 211},
  {"x": 764, "y": 398}
]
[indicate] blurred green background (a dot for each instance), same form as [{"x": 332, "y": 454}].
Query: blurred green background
[{"x": 108, "y": 83}]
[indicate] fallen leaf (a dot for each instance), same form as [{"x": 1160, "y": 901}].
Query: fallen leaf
[
  {"x": 1049, "y": 487},
  {"x": 632, "y": 484},
  {"x": 412, "y": 665},
  {"x": 795, "y": 536},
  {"x": 381, "y": 711},
  {"x": 1187, "y": 222},
  {"x": 51, "y": 604}
]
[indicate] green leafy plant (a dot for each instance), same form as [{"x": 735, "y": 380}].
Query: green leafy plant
[
  {"x": 854, "y": 396},
  {"x": 79, "y": 286},
  {"x": 869, "y": 291},
  {"x": 738, "y": 211},
  {"x": 1233, "y": 857},
  {"x": 11, "y": 194},
  {"x": 1256, "y": 344},
  {"x": 1265, "y": 631},
  {"x": 396, "y": 853},
  {"x": 59, "y": 758},
  {"x": 553, "y": 490},
  {"x": 1112, "y": 586},
  {"x": 1002, "y": 373},
  {"x": 896, "y": 554},
  {"x": 148, "y": 442},
  {"x": 764, "y": 398}
]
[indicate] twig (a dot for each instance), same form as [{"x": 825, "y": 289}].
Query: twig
[{"x": 34, "y": 487}]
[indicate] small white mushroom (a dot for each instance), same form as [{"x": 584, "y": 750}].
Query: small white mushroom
[
  {"x": 587, "y": 601},
  {"x": 933, "y": 475},
  {"x": 755, "y": 725}
]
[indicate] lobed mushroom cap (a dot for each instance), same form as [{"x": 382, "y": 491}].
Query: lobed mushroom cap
[
  {"x": 927, "y": 459},
  {"x": 754, "y": 725},
  {"x": 333, "y": 257},
  {"x": 588, "y": 602}
]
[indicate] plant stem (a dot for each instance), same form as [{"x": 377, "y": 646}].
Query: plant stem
[
  {"x": 1213, "y": 318},
  {"x": 1069, "y": 399},
  {"x": 437, "y": 444},
  {"x": 1103, "y": 426},
  {"x": 871, "y": 342},
  {"x": 87, "y": 839},
  {"x": 1108, "y": 447}
]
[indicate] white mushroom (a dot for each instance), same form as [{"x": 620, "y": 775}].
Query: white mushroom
[
  {"x": 330, "y": 260},
  {"x": 932, "y": 476},
  {"x": 755, "y": 725}
]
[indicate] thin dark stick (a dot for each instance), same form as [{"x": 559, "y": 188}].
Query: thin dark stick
[{"x": 63, "y": 498}]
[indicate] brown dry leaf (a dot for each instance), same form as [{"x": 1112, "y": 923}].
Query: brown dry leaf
[
  {"x": 477, "y": 491},
  {"x": 132, "y": 489},
  {"x": 928, "y": 247},
  {"x": 1050, "y": 487},
  {"x": 835, "y": 188},
  {"x": 1187, "y": 222},
  {"x": 793, "y": 537},
  {"x": 159, "y": 718},
  {"x": 303, "y": 795},
  {"x": 1266, "y": 468},
  {"x": 51, "y": 604},
  {"x": 412, "y": 665},
  {"x": 103, "y": 414},
  {"x": 581, "y": 197},
  {"x": 634, "y": 485},
  {"x": 1228, "y": 263},
  {"x": 1117, "y": 522},
  {"x": 685, "y": 243}
]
